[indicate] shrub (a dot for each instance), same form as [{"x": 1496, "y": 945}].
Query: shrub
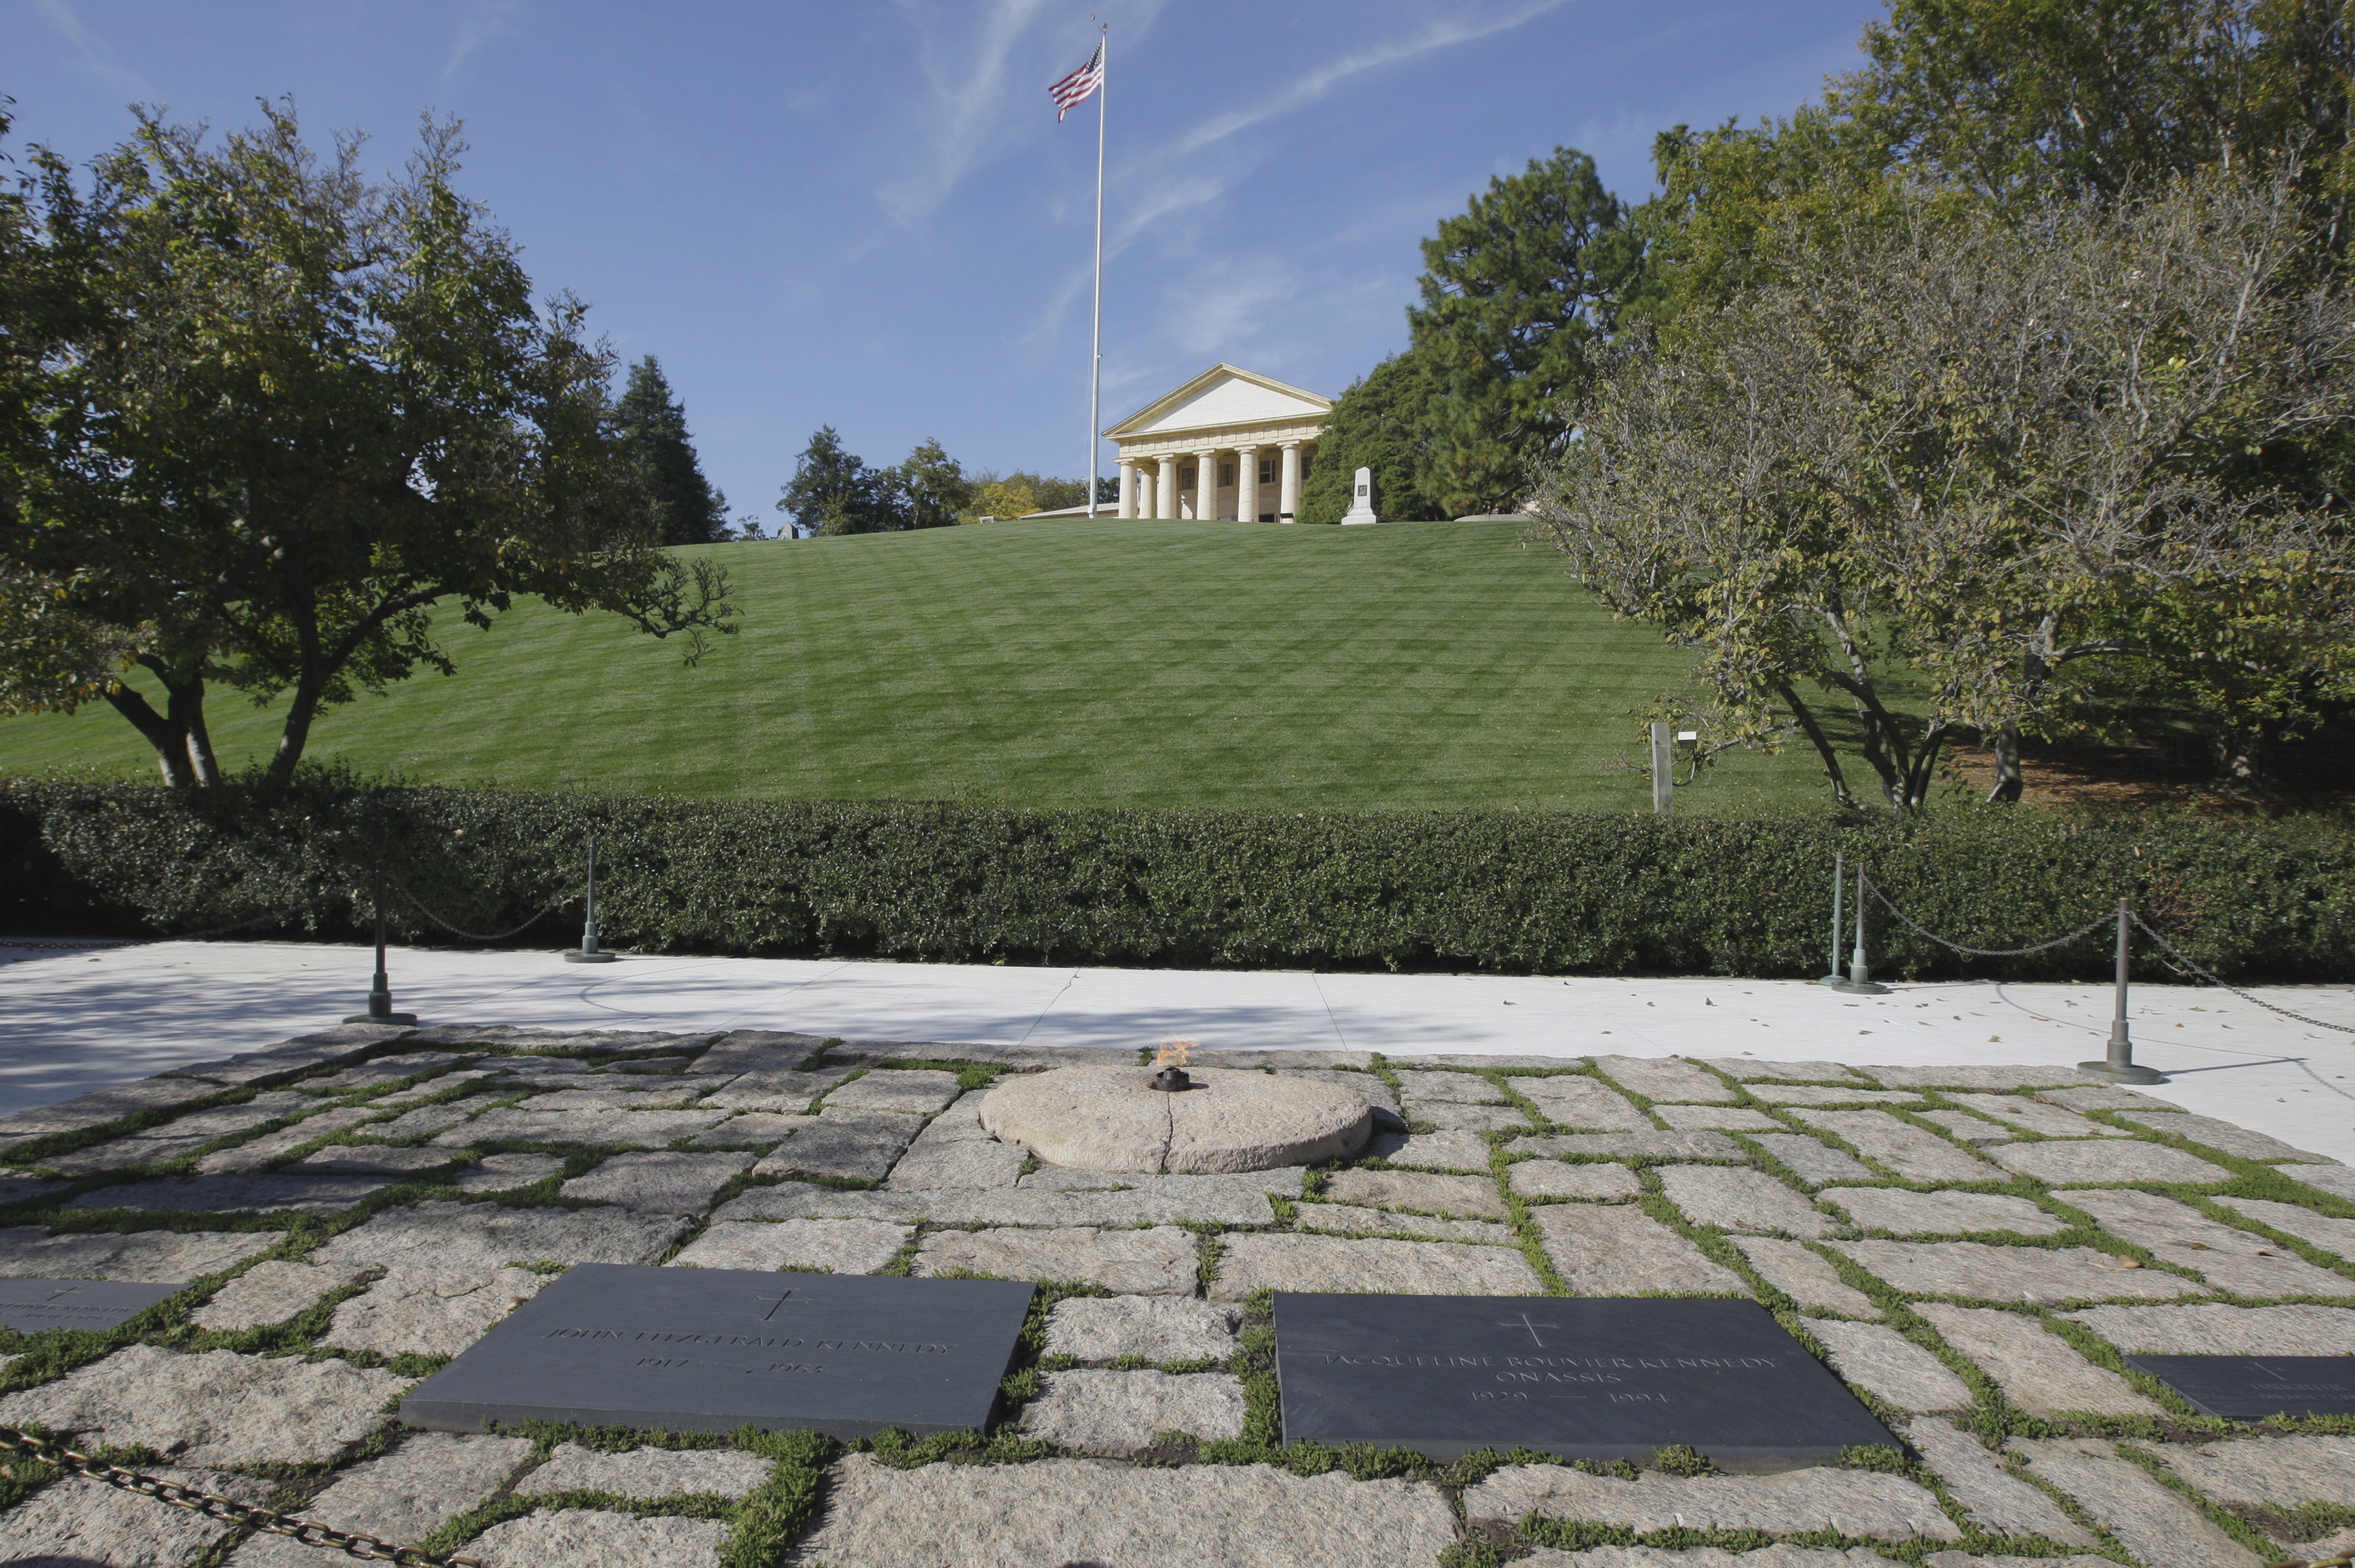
[{"x": 1521, "y": 892}]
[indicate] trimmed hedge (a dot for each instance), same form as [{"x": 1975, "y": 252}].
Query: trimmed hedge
[{"x": 1520, "y": 891}]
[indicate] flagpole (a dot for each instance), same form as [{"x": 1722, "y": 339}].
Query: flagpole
[{"x": 1095, "y": 357}]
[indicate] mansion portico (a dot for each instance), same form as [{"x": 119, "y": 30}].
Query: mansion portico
[{"x": 1227, "y": 444}]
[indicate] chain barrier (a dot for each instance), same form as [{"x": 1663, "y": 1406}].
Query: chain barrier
[
  {"x": 274, "y": 916},
  {"x": 351, "y": 1542},
  {"x": 470, "y": 935},
  {"x": 2178, "y": 955},
  {"x": 2095, "y": 925}
]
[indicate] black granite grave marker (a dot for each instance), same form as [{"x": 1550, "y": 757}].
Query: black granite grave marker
[
  {"x": 2250, "y": 1388},
  {"x": 30, "y": 1304},
  {"x": 710, "y": 1349},
  {"x": 1581, "y": 1378}
]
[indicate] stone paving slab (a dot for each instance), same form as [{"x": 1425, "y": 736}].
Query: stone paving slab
[
  {"x": 566, "y": 1538},
  {"x": 971, "y": 1164},
  {"x": 1806, "y": 1276},
  {"x": 1347, "y": 1219},
  {"x": 95, "y": 1109},
  {"x": 76, "y": 1522},
  {"x": 760, "y": 1131},
  {"x": 918, "y": 1093},
  {"x": 2108, "y": 1161},
  {"x": 274, "y": 1292},
  {"x": 2220, "y": 1330},
  {"x": 665, "y": 1183},
  {"x": 1906, "y": 1213},
  {"x": 1976, "y": 1271},
  {"x": 1161, "y": 1261},
  {"x": 505, "y": 1173},
  {"x": 431, "y": 1478},
  {"x": 428, "y": 1310},
  {"x": 1020, "y": 1516},
  {"x": 1434, "y": 1150},
  {"x": 756, "y": 1050},
  {"x": 830, "y": 1246},
  {"x": 2281, "y": 1473},
  {"x": 2150, "y": 1520},
  {"x": 371, "y": 1159},
  {"x": 1829, "y": 1095},
  {"x": 1634, "y": 1145},
  {"x": 1782, "y": 1554},
  {"x": 1449, "y": 1116},
  {"x": 29, "y": 1252},
  {"x": 2038, "y": 1370},
  {"x": 1734, "y": 1198},
  {"x": 647, "y": 1473},
  {"x": 266, "y": 1193},
  {"x": 1811, "y": 1161},
  {"x": 1865, "y": 1503},
  {"x": 2326, "y": 1231},
  {"x": 1464, "y": 1088},
  {"x": 1665, "y": 1078},
  {"x": 1622, "y": 1251},
  {"x": 327, "y": 1048},
  {"x": 1157, "y": 1328},
  {"x": 1558, "y": 1179},
  {"x": 219, "y": 1408},
  {"x": 1908, "y": 1151},
  {"x": 486, "y": 1235},
  {"x": 1226, "y": 1202},
  {"x": 2229, "y": 1258},
  {"x": 1311, "y": 1263},
  {"x": 776, "y": 1090},
  {"x": 862, "y": 1145},
  {"x": 1469, "y": 1197},
  {"x": 1877, "y": 1357},
  {"x": 2224, "y": 1136},
  {"x": 1575, "y": 1100},
  {"x": 2037, "y": 1116},
  {"x": 1996, "y": 1500},
  {"x": 1974, "y": 1130},
  {"x": 521, "y": 1124},
  {"x": 1751, "y": 1070},
  {"x": 1121, "y": 1413},
  {"x": 1718, "y": 1118},
  {"x": 2336, "y": 1179},
  {"x": 1994, "y": 1079}
]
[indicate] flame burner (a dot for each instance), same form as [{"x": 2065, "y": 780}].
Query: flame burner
[
  {"x": 1171, "y": 1059},
  {"x": 1171, "y": 1080}
]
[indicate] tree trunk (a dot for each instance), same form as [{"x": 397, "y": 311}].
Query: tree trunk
[
  {"x": 1806, "y": 718},
  {"x": 300, "y": 712},
  {"x": 169, "y": 736},
  {"x": 2008, "y": 782},
  {"x": 201, "y": 761}
]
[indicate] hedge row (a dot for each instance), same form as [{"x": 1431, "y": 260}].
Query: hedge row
[{"x": 1523, "y": 891}]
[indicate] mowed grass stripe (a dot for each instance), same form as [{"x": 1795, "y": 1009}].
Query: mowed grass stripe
[{"x": 1046, "y": 663}]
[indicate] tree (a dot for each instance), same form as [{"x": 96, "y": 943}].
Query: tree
[
  {"x": 930, "y": 487},
  {"x": 283, "y": 412},
  {"x": 683, "y": 507},
  {"x": 1957, "y": 472},
  {"x": 834, "y": 492},
  {"x": 1383, "y": 423},
  {"x": 1516, "y": 293}
]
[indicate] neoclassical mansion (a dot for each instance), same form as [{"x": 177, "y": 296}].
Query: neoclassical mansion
[{"x": 1227, "y": 444}]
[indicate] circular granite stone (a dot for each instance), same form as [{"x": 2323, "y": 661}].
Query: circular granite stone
[{"x": 1110, "y": 1118}]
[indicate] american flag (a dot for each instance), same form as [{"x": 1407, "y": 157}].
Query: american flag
[{"x": 1079, "y": 87}]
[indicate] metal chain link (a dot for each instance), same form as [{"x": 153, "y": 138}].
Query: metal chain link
[
  {"x": 2098, "y": 922},
  {"x": 470, "y": 935},
  {"x": 2178, "y": 955},
  {"x": 351, "y": 1542}
]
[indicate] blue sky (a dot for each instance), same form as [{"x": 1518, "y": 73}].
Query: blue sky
[{"x": 863, "y": 214}]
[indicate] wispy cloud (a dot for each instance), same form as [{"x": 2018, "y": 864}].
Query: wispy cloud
[
  {"x": 94, "y": 53},
  {"x": 494, "y": 20},
  {"x": 969, "y": 118}
]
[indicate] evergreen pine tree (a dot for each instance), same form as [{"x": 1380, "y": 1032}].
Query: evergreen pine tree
[{"x": 684, "y": 508}]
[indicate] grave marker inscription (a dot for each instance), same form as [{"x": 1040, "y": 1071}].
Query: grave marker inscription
[
  {"x": 29, "y": 1306},
  {"x": 710, "y": 1349},
  {"x": 1581, "y": 1378},
  {"x": 2251, "y": 1388}
]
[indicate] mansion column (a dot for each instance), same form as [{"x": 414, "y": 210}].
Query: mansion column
[
  {"x": 1206, "y": 486},
  {"x": 1127, "y": 488},
  {"x": 1288, "y": 504},
  {"x": 1247, "y": 484}
]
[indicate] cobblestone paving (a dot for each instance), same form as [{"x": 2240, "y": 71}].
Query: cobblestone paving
[{"x": 1973, "y": 1249}]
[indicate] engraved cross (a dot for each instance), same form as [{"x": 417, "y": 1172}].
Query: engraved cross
[
  {"x": 775, "y": 1302},
  {"x": 1530, "y": 1329}
]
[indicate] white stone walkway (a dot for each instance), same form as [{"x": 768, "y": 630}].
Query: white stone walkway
[{"x": 73, "y": 1021}]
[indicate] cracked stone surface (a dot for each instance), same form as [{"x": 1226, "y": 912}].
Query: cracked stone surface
[
  {"x": 1208, "y": 1200},
  {"x": 756, "y": 1050},
  {"x": 77, "y": 1522},
  {"x": 1110, "y": 1118},
  {"x": 2220, "y": 1330},
  {"x": 1877, "y": 1357},
  {"x": 1806, "y": 1276},
  {"x": 1619, "y": 1250},
  {"x": 1559, "y": 1178},
  {"x": 1364, "y": 1085},
  {"x": 504, "y": 1173},
  {"x": 2044, "y": 1275},
  {"x": 757, "y": 1130},
  {"x": 647, "y": 1473},
  {"x": 1118, "y": 1414},
  {"x": 2036, "y": 1116},
  {"x": 434, "y": 1311},
  {"x": 2153, "y": 1522},
  {"x": 415, "y": 1123},
  {"x": 2284, "y": 1473},
  {"x": 1018, "y": 1516},
  {"x": 1854, "y": 1502},
  {"x": 1249, "y": 1263},
  {"x": 1464, "y": 1088},
  {"x": 1665, "y": 1078},
  {"x": 520, "y": 1124},
  {"x": 485, "y": 1236},
  {"x": 1433, "y": 1150},
  {"x": 1751, "y": 1070},
  {"x": 1814, "y": 1162},
  {"x": 1996, "y": 1500},
  {"x": 29, "y": 1252},
  {"x": 1469, "y": 1197},
  {"x": 1904, "y": 1213},
  {"x": 1718, "y": 1118},
  {"x": 567, "y": 1537},
  {"x": 1634, "y": 1145},
  {"x": 977, "y": 1163},
  {"x": 1346, "y": 1219},
  {"x": 371, "y": 1159},
  {"x": 215, "y": 1409},
  {"x": 182, "y": 1135},
  {"x": 2001, "y": 1078},
  {"x": 1447, "y": 1115},
  {"x": 1782, "y": 1554},
  {"x": 1976, "y": 1131},
  {"x": 918, "y": 1092},
  {"x": 264, "y": 1193},
  {"x": 431, "y": 1478},
  {"x": 1163, "y": 1261},
  {"x": 1827, "y": 1095},
  {"x": 2227, "y": 1257},
  {"x": 1908, "y": 1151},
  {"x": 274, "y": 1291},
  {"x": 1736, "y": 1198},
  {"x": 2324, "y": 1231},
  {"x": 2107, "y": 1161},
  {"x": 602, "y": 1100},
  {"x": 833, "y": 1247},
  {"x": 102, "y": 1106},
  {"x": 1159, "y": 1327},
  {"x": 863, "y": 1145},
  {"x": 2037, "y": 1370},
  {"x": 664, "y": 1184},
  {"x": 2224, "y": 1136},
  {"x": 777, "y": 1090},
  {"x": 1571, "y": 1100}
]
